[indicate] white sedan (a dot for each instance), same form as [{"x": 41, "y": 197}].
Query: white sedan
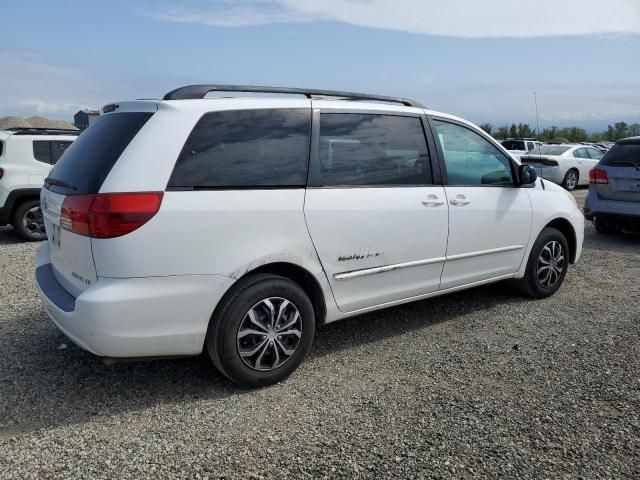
[{"x": 566, "y": 165}]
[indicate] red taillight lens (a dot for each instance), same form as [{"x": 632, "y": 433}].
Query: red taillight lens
[
  {"x": 597, "y": 175},
  {"x": 108, "y": 215}
]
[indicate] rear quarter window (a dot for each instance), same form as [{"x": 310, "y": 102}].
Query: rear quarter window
[
  {"x": 244, "y": 149},
  {"x": 89, "y": 159}
]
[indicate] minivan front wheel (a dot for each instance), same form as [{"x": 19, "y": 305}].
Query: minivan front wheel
[
  {"x": 261, "y": 331},
  {"x": 547, "y": 265},
  {"x": 29, "y": 222}
]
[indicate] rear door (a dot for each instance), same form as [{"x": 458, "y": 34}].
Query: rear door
[
  {"x": 489, "y": 217},
  {"x": 80, "y": 173},
  {"x": 376, "y": 216},
  {"x": 622, "y": 164}
]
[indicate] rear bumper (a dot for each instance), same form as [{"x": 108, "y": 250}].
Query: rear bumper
[
  {"x": 135, "y": 317},
  {"x": 614, "y": 210}
]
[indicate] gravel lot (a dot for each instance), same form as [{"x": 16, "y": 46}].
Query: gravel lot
[{"x": 479, "y": 384}]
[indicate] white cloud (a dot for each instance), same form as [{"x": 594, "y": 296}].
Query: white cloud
[
  {"x": 30, "y": 83},
  {"x": 457, "y": 18}
]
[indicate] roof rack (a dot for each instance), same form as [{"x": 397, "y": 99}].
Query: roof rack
[
  {"x": 200, "y": 91},
  {"x": 41, "y": 131}
]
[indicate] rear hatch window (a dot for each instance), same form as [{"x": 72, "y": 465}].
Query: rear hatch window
[
  {"x": 87, "y": 162},
  {"x": 623, "y": 155}
]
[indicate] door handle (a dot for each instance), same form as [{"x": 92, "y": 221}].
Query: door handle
[
  {"x": 432, "y": 203},
  {"x": 459, "y": 202}
]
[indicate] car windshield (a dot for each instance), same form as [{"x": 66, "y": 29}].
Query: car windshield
[{"x": 548, "y": 150}]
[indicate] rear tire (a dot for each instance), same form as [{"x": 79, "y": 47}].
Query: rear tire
[
  {"x": 28, "y": 221},
  {"x": 605, "y": 228},
  {"x": 570, "y": 181},
  {"x": 261, "y": 331},
  {"x": 547, "y": 265}
]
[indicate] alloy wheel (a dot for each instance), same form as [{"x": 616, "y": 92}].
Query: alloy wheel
[
  {"x": 550, "y": 264},
  {"x": 33, "y": 222},
  {"x": 572, "y": 181},
  {"x": 269, "y": 334}
]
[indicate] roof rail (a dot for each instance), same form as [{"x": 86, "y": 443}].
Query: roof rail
[
  {"x": 200, "y": 91},
  {"x": 41, "y": 131}
]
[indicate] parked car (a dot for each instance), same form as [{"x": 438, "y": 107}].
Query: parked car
[
  {"x": 26, "y": 158},
  {"x": 520, "y": 146},
  {"x": 613, "y": 201},
  {"x": 238, "y": 225},
  {"x": 566, "y": 165}
]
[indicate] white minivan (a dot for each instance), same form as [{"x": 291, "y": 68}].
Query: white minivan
[{"x": 237, "y": 225}]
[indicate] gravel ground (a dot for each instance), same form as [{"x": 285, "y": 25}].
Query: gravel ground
[{"x": 478, "y": 384}]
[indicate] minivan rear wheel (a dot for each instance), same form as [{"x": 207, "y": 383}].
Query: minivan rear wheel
[
  {"x": 261, "y": 331},
  {"x": 28, "y": 221},
  {"x": 547, "y": 265}
]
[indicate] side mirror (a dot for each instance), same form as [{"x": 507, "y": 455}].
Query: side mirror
[{"x": 528, "y": 175}]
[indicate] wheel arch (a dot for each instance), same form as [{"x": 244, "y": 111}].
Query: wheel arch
[
  {"x": 566, "y": 228},
  {"x": 297, "y": 274},
  {"x": 14, "y": 200}
]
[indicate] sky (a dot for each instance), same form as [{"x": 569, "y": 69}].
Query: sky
[{"x": 482, "y": 60}]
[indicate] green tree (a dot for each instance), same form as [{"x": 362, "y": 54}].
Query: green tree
[
  {"x": 487, "y": 127},
  {"x": 634, "y": 130},
  {"x": 503, "y": 132},
  {"x": 513, "y": 131},
  {"x": 524, "y": 131}
]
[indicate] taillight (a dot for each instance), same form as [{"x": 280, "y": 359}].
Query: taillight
[
  {"x": 108, "y": 215},
  {"x": 597, "y": 175}
]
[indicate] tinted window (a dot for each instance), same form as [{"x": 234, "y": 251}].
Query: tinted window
[
  {"x": 594, "y": 154},
  {"x": 470, "y": 158},
  {"x": 623, "y": 154},
  {"x": 513, "y": 144},
  {"x": 246, "y": 148},
  {"x": 1, "y": 147},
  {"x": 89, "y": 159},
  {"x": 530, "y": 146},
  {"x": 42, "y": 151},
  {"x": 360, "y": 149}
]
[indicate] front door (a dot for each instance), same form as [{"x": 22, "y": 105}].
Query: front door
[
  {"x": 489, "y": 217},
  {"x": 378, "y": 223}
]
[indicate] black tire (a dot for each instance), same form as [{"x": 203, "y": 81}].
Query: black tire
[
  {"x": 570, "y": 181},
  {"x": 531, "y": 284},
  {"x": 605, "y": 228},
  {"x": 28, "y": 222},
  {"x": 223, "y": 340}
]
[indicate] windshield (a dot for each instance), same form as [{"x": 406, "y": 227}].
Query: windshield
[{"x": 548, "y": 150}]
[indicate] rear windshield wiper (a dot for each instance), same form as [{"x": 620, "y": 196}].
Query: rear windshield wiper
[{"x": 59, "y": 183}]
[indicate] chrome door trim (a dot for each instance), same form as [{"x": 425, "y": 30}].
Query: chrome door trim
[
  {"x": 418, "y": 263},
  {"x": 462, "y": 256},
  {"x": 386, "y": 268}
]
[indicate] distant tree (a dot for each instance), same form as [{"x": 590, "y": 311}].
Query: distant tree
[
  {"x": 524, "y": 131},
  {"x": 618, "y": 131},
  {"x": 574, "y": 134},
  {"x": 503, "y": 132},
  {"x": 513, "y": 131},
  {"x": 487, "y": 127},
  {"x": 634, "y": 130}
]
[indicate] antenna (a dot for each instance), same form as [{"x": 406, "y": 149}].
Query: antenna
[{"x": 535, "y": 100}]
